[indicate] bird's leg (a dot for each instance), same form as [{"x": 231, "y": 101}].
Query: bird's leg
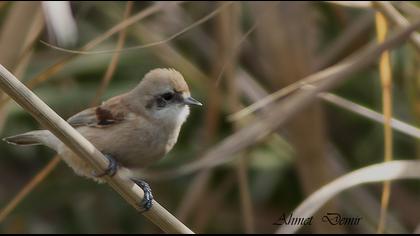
[
  {"x": 111, "y": 169},
  {"x": 147, "y": 201}
]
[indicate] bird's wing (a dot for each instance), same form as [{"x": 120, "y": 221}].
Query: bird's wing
[{"x": 110, "y": 112}]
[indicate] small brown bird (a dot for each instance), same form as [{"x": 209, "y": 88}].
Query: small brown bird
[{"x": 132, "y": 130}]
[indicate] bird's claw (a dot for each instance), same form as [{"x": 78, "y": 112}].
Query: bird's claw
[
  {"x": 147, "y": 201},
  {"x": 111, "y": 169}
]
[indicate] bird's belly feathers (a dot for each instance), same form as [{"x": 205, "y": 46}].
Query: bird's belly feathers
[{"x": 133, "y": 146}]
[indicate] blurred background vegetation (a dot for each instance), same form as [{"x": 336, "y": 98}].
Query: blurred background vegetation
[{"x": 231, "y": 59}]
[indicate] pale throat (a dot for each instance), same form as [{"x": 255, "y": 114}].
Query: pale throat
[
  {"x": 182, "y": 115},
  {"x": 174, "y": 116}
]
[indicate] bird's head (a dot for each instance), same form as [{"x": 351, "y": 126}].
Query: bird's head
[{"x": 165, "y": 95}]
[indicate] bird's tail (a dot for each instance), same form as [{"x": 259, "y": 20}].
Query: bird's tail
[{"x": 38, "y": 137}]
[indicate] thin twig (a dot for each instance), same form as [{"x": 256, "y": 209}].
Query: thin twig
[
  {"x": 370, "y": 114},
  {"x": 126, "y": 23},
  {"x": 85, "y": 150},
  {"x": 159, "y": 42}
]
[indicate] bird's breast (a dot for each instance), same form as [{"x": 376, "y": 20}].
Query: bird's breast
[
  {"x": 149, "y": 145},
  {"x": 134, "y": 144}
]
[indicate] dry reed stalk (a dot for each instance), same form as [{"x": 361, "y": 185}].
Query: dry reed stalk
[
  {"x": 396, "y": 124},
  {"x": 386, "y": 82}
]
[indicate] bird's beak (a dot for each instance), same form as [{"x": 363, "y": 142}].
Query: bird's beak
[{"x": 192, "y": 101}]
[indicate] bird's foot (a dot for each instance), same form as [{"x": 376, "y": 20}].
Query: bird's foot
[
  {"x": 111, "y": 169},
  {"x": 147, "y": 201}
]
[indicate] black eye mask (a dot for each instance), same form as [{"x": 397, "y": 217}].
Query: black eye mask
[{"x": 168, "y": 98}]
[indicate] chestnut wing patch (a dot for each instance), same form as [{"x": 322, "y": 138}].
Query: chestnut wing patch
[
  {"x": 110, "y": 112},
  {"x": 96, "y": 117},
  {"x": 105, "y": 117}
]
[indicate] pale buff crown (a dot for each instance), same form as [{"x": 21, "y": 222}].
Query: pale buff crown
[{"x": 162, "y": 80}]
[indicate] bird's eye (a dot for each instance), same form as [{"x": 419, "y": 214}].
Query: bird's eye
[{"x": 167, "y": 96}]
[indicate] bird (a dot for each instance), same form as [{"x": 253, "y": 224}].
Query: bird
[{"x": 133, "y": 130}]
